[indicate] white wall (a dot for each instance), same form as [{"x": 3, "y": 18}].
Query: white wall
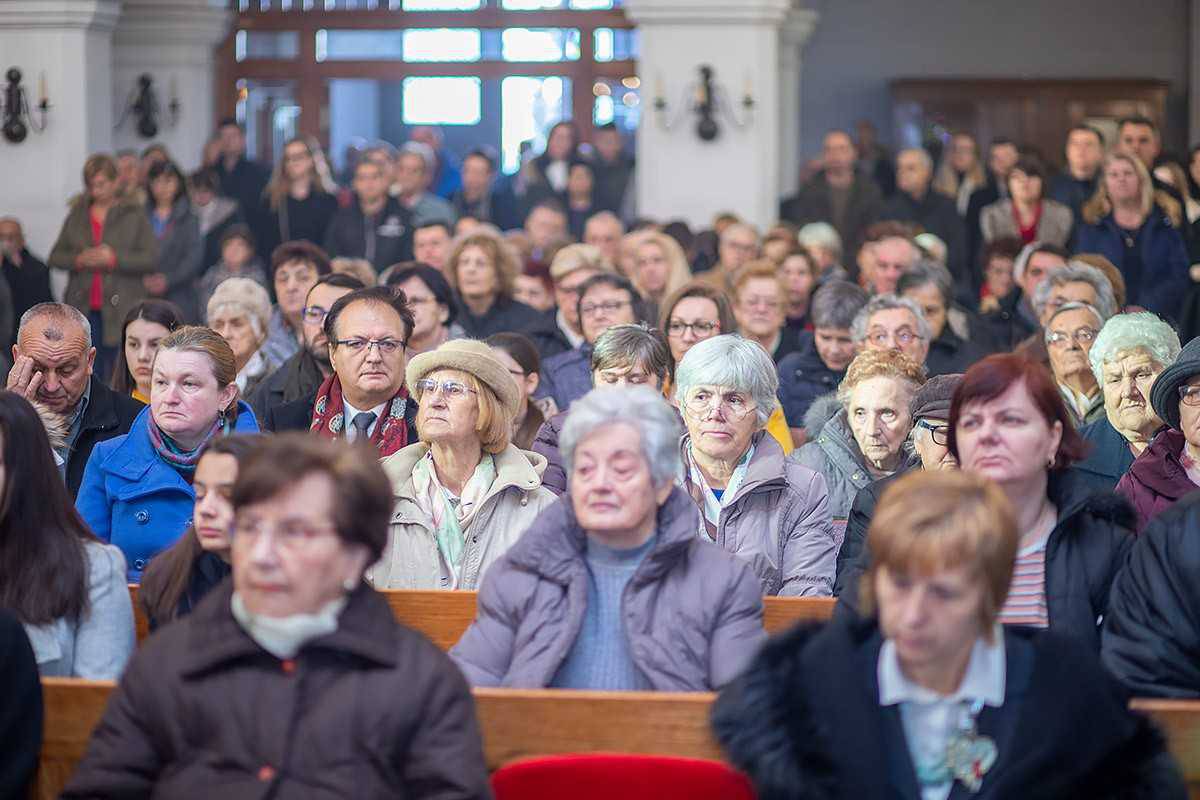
[{"x": 860, "y": 45}]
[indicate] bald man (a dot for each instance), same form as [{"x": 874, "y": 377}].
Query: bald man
[{"x": 914, "y": 201}]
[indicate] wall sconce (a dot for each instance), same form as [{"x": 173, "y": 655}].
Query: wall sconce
[
  {"x": 143, "y": 104},
  {"x": 16, "y": 111},
  {"x": 710, "y": 100}
]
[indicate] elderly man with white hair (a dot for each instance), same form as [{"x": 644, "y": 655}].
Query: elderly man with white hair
[
  {"x": 1126, "y": 358},
  {"x": 753, "y": 501},
  {"x": 610, "y": 587},
  {"x": 889, "y": 322},
  {"x": 239, "y": 310}
]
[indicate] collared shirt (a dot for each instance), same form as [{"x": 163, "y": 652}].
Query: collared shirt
[
  {"x": 76, "y": 427},
  {"x": 349, "y": 412},
  {"x": 576, "y": 339},
  {"x": 1080, "y": 404},
  {"x": 930, "y": 719}
]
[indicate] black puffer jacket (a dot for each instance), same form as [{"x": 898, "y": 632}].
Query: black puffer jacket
[
  {"x": 1151, "y": 640},
  {"x": 805, "y": 731}
]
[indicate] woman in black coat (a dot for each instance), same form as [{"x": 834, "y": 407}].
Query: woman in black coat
[
  {"x": 930, "y": 696},
  {"x": 21, "y": 711}
]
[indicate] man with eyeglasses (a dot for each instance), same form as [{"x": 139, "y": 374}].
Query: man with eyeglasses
[
  {"x": 301, "y": 375},
  {"x": 364, "y": 396},
  {"x": 604, "y": 300},
  {"x": 1070, "y": 332},
  {"x": 889, "y": 322}
]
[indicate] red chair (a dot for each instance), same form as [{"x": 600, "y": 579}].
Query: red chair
[{"x": 619, "y": 777}]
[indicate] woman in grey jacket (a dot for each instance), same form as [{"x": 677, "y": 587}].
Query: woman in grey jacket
[
  {"x": 753, "y": 502},
  {"x": 611, "y": 588}
]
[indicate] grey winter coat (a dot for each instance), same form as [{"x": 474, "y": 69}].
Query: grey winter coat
[
  {"x": 996, "y": 222},
  {"x": 779, "y": 522},
  {"x": 179, "y": 258},
  {"x": 693, "y": 613},
  {"x": 412, "y": 559}
]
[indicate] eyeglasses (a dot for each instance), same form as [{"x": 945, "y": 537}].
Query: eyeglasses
[
  {"x": 903, "y": 337},
  {"x": 1189, "y": 395},
  {"x": 733, "y": 406},
  {"x": 451, "y": 390},
  {"x": 293, "y": 535},
  {"x": 700, "y": 330},
  {"x": 608, "y": 307},
  {"x": 939, "y": 433},
  {"x": 387, "y": 347},
  {"x": 315, "y": 315},
  {"x": 1082, "y": 337}
]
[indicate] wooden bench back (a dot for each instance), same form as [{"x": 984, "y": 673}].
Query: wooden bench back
[{"x": 445, "y": 616}]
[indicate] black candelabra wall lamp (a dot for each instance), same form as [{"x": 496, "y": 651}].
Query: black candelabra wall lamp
[
  {"x": 710, "y": 103},
  {"x": 16, "y": 111},
  {"x": 143, "y": 104}
]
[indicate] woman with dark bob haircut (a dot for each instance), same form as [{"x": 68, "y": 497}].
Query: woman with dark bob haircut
[
  {"x": 932, "y": 697},
  {"x": 293, "y": 679},
  {"x": 145, "y": 326},
  {"x": 1008, "y": 423}
]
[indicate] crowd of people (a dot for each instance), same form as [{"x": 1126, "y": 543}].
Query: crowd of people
[{"x": 948, "y": 388}]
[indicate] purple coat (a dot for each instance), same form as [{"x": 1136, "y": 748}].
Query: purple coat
[
  {"x": 1157, "y": 478},
  {"x": 693, "y": 612}
]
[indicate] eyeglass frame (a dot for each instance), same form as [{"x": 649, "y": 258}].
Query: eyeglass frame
[
  {"x": 895, "y": 336},
  {"x": 365, "y": 345},
  {"x": 304, "y": 314},
  {"x": 722, "y": 404},
  {"x": 301, "y": 540},
  {"x": 427, "y": 385},
  {"x": 1054, "y": 338},
  {"x": 684, "y": 327},
  {"x": 1184, "y": 395},
  {"x": 934, "y": 431},
  {"x": 586, "y": 309}
]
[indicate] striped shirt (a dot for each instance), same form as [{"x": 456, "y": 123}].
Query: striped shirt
[{"x": 1026, "y": 603}]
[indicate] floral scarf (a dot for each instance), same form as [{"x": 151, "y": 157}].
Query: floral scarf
[
  {"x": 451, "y": 515},
  {"x": 183, "y": 461},
  {"x": 329, "y": 410}
]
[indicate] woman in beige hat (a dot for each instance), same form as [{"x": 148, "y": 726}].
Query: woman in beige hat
[{"x": 464, "y": 493}]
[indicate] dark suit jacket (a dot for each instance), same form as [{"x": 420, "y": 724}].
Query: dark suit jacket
[
  {"x": 297, "y": 416},
  {"x": 107, "y": 415},
  {"x": 814, "y": 204}
]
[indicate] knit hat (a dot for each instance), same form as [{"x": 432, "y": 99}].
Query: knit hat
[
  {"x": 1164, "y": 394},
  {"x": 933, "y": 399},
  {"x": 474, "y": 358}
]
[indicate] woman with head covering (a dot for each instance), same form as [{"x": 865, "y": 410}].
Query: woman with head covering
[{"x": 464, "y": 493}]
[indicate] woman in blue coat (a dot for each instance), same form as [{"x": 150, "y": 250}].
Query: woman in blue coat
[
  {"x": 1137, "y": 228},
  {"x": 137, "y": 488}
]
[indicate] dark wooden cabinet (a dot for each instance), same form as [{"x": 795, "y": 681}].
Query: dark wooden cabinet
[{"x": 1036, "y": 113}]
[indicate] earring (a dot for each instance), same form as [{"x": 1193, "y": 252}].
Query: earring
[
  {"x": 221, "y": 418},
  {"x": 1050, "y": 463},
  {"x": 350, "y": 584}
]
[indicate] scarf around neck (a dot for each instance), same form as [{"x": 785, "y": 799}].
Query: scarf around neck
[
  {"x": 329, "y": 417},
  {"x": 183, "y": 461},
  {"x": 283, "y": 637},
  {"x": 451, "y": 515},
  {"x": 694, "y": 482}
]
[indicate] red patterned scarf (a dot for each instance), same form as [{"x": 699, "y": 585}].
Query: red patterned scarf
[{"x": 391, "y": 433}]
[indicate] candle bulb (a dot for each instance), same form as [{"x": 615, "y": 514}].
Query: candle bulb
[
  {"x": 42, "y": 87},
  {"x": 659, "y": 91}
]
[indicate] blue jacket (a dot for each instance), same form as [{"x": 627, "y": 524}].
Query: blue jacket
[
  {"x": 130, "y": 497},
  {"x": 1164, "y": 279},
  {"x": 803, "y": 377},
  {"x": 567, "y": 376}
]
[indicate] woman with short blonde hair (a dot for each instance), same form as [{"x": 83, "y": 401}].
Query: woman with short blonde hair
[{"x": 660, "y": 267}]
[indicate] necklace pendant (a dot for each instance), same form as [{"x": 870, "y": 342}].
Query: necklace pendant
[{"x": 969, "y": 757}]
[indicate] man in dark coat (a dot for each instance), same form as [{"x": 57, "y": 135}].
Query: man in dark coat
[
  {"x": 28, "y": 278},
  {"x": 21, "y": 711},
  {"x": 1076, "y": 185},
  {"x": 375, "y": 226},
  {"x": 242, "y": 179},
  {"x": 914, "y": 201},
  {"x": 1151, "y": 641},
  {"x": 53, "y": 360},
  {"x": 837, "y": 194}
]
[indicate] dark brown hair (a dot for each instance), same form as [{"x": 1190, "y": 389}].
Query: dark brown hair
[
  {"x": 303, "y": 251},
  {"x": 162, "y": 312}
]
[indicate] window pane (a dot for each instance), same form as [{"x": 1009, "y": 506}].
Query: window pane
[
  {"x": 530, "y": 5},
  {"x": 529, "y": 106},
  {"x": 591, "y": 5},
  {"x": 270, "y": 113},
  {"x": 266, "y": 44},
  {"x": 442, "y": 101},
  {"x": 540, "y": 44},
  {"x": 441, "y": 44},
  {"x": 437, "y": 5},
  {"x": 349, "y": 45},
  {"x": 620, "y": 44}
]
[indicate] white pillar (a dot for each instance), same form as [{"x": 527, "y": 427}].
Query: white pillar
[
  {"x": 680, "y": 175},
  {"x": 798, "y": 25},
  {"x": 173, "y": 41},
  {"x": 69, "y": 41}
]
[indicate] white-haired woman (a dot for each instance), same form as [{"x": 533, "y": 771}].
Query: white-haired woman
[
  {"x": 240, "y": 311},
  {"x": 611, "y": 588},
  {"x": 1127, "y": 357},
  {"x": 753, "y": 501},
  {"x": 823, "y": 243}
]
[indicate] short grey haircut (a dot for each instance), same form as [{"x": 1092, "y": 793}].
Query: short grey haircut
[
  {"x": 632, "y": 345},
  {"x": 835, "y": 304},
  {"x": 927, "y": 272},
  {"x": 641, "y": 407},
  {"x": 885, "y": 302},
  {"x": 1077, "y": 272},
  {"x": 244, "y": 297},
  {"x": 1138, "y": 331},
  {"x": 58, "y": 311},
  {"x": 1065, "y": 307},
  {"x": 823, "y": 235},
  {"x": 926, "y": 159},
  {"x": 729, "y": 360},
  {"x": 428, "y": 157}
]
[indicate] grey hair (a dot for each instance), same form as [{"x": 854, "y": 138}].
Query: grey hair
[
  {"x": 740, "y": 226},
  {"x": 242, "y": 296},
  {"x": 634, "y": 345},
  {"x": 59, "y": 311},
  {"x": 836, "y": 304},
  {"x": 1137, "y": 331},
  {"x": 924, "y": 273},
  {"x": 1065, "y": 307},
  {"x": 643, "y": 408},
  {"x": 823, "y": 235},
  {"x": 1077, "y": 272},
  {"x": 730, "y": 360},
  {"x": 926, "y": 159},
  {"x": 420, "y": 149},
  {"x": 885, "y": 302}
]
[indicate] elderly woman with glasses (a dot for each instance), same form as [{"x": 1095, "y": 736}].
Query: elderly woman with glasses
[
  {"x": 464, "y": 494},
  {"x": 240, "y": 311},
  {"x": 1170, "y": 467},
  {"x": 1127, "y": 357},
  {"x": 753, "y": 501},
  {"x": 1070, "y": 332},
  {"x": 928, "y": 695}
]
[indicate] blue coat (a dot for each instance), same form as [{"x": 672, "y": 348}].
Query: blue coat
[
  {"x": 135, "y": 500},
  {"x": 1164, "y": 280},
  {"x": 567, "y": 376}
]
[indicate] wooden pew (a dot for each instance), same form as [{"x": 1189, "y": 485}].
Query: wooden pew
[
  {"x": 519, "y": 723},
  {"x": 445, "y": 616}
]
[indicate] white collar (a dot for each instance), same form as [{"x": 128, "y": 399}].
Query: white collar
[
  {"x": 984, "y": 679},
  {"x": 351, "y": 412}
]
